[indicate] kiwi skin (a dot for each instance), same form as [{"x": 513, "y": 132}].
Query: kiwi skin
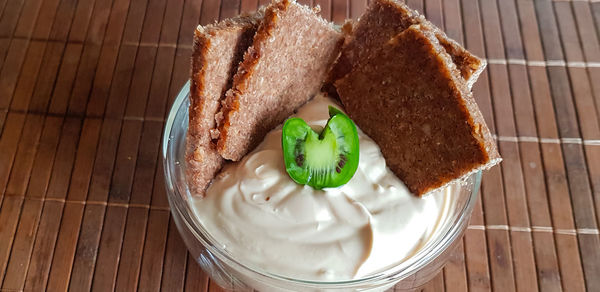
[{"x": 321, "y": 160}]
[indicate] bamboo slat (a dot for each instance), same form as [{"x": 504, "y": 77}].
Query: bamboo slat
[{"x": 85, "y": 87}]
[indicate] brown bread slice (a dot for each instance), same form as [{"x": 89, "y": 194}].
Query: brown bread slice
[
  {"x": 292, "y": 52},
  {"x": 386, "y": 18},
  {"x": 419, "y": 111},
  {"x": 218, "y": 49}
]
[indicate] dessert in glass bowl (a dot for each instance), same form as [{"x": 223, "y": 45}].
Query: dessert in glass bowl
[{"x": 276, "y": 186}]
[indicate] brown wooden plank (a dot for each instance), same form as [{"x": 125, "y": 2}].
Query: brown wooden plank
[
  {"x": 141, "y": 193},
  {"x": 26, "y": 82},
  {"x": 3, "y": 114},
  {"x": 590, "y": 45},
  {"x": 109, "y": 250},
  {"x": 210, "y": 12},
  {"x": 65, "y": 156},
  {"x": 548, "y": 31},
  {"x": 249, "y": 5},
  {"x": 548, "y": 272},
  {"x": 10, "y": 17},
  {"x": 20, "y": 173},
  {"x": 573, "y": 154},
  {"x": 83, "y": 80},
  {"x": 568, "y": 31},
  {"x": 192, "y": 12},
  {"x": 105, "y": 159},
  {"x": 131, "y": 252},
  {"x": 90, "y": 57},
  {"x": 27, "y": 18},
  {"x": 22, "y": 246},
  {"x": 84, "y": 162},
  {"x": 159, "y": 90},
  {"x": 583, "y": 212},
  {"x": 357, "y": 7},
  {"x": 122, "y": 177},
  {"x": 54, "y": 59},
  {"x": 81, "y": 21},
  {"x": 436, "y": 284},
  {"x": 173, "y": 275},
  {"x": 265, "y": 2},
  {"x": 592, "y": 154},
  {"x": 107, "y": 59},
  {"x": 416, "y": 5},
  {"x": 45, "y": 19},
  {"x": 571, "y": 272},
  {"x": 434, "y": 12},
  {"x": 87, "y": 247},
  {"x": 33, "y": 58},
  {"x": 453, "y": 20},
  {"x": 115, "y": 107},
  {"x": 65, "y": 14},
  {"x": 229, "y": 8},
  {"x": 498, "y": 243},
  {"x": 562, "y": 217},
  {"x": 2, "y": 5},
  {"x": 40, "y": 98},
  {"x": 195, "y": 278},
  {"x": 44, "y": 160},
  {"x": 115, "y": 103},
  {"x": 16, "y": 187},
  {"x": 180, "y": 74},
  {"x": 9, "y": 75},
  {"x": 544, "y": 245},
  {"x": 476, "y": 253},
  {"x": 104, "y": 276},
  {"x": 60, "y": 269},
  {"x": 325, "y": 8},
  {"x": 43, "y": 249},
  {"x": 339, "y": 11},
  {"x": 8, "y": 146},
  {"x": 154, "y": 251},
  {"x": 455, "y": 272},
  {"x": 159, "y": 196},
  {"x": 212, "y": 287},
  {"x": 65, "y": 79},
  {"x": 9, "y": 218},
  {"x": 189, "y": 20},
  {"x": 175, "y": 17}
]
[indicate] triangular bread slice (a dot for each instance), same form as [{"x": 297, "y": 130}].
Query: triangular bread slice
[
  {"x": 218, "y": 50},
  {"x": 292, "y": 51},
  {"x": 384, "y": 19},
  {"x": 410, "y": 98}
]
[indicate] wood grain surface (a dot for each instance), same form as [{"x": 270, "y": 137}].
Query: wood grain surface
[{"x": 85, "y": 86}]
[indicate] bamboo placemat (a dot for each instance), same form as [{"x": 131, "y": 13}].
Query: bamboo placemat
[{"x": 85, "y": 86}]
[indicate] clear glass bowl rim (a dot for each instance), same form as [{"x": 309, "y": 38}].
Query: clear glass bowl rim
[{"x": 400, "y": 271}]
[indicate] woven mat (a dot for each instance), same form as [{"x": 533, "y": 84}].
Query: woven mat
[{"x": 83, "y": 87}]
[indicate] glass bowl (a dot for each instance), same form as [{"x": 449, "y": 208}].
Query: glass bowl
[{"x": 231, "y": 274}]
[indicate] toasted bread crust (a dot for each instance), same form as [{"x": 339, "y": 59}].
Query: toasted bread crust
[
  {"x": 292, "y": 50},
  {"x": 426, "y": 122},
  {"x": 385, "y": 19},
  {"x": 218, "y": 49}
]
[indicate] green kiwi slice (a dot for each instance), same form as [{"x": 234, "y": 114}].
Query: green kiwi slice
[{"x": 321, "y": 160}]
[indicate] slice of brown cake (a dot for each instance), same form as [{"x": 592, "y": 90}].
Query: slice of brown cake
[
  {"x": 419, "y": 111},
  {"x": 386, "y": 18},
  {"x": 292, "y": 51},
  {"x": 218, "y": 50}
]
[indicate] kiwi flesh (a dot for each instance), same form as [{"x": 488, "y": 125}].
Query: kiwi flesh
[{"x": 321, "y": 160}]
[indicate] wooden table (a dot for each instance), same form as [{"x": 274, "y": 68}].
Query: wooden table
[{"x": 85, "y": 86}]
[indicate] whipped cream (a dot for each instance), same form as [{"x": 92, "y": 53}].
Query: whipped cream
[{"x": 259, "y": 215}]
